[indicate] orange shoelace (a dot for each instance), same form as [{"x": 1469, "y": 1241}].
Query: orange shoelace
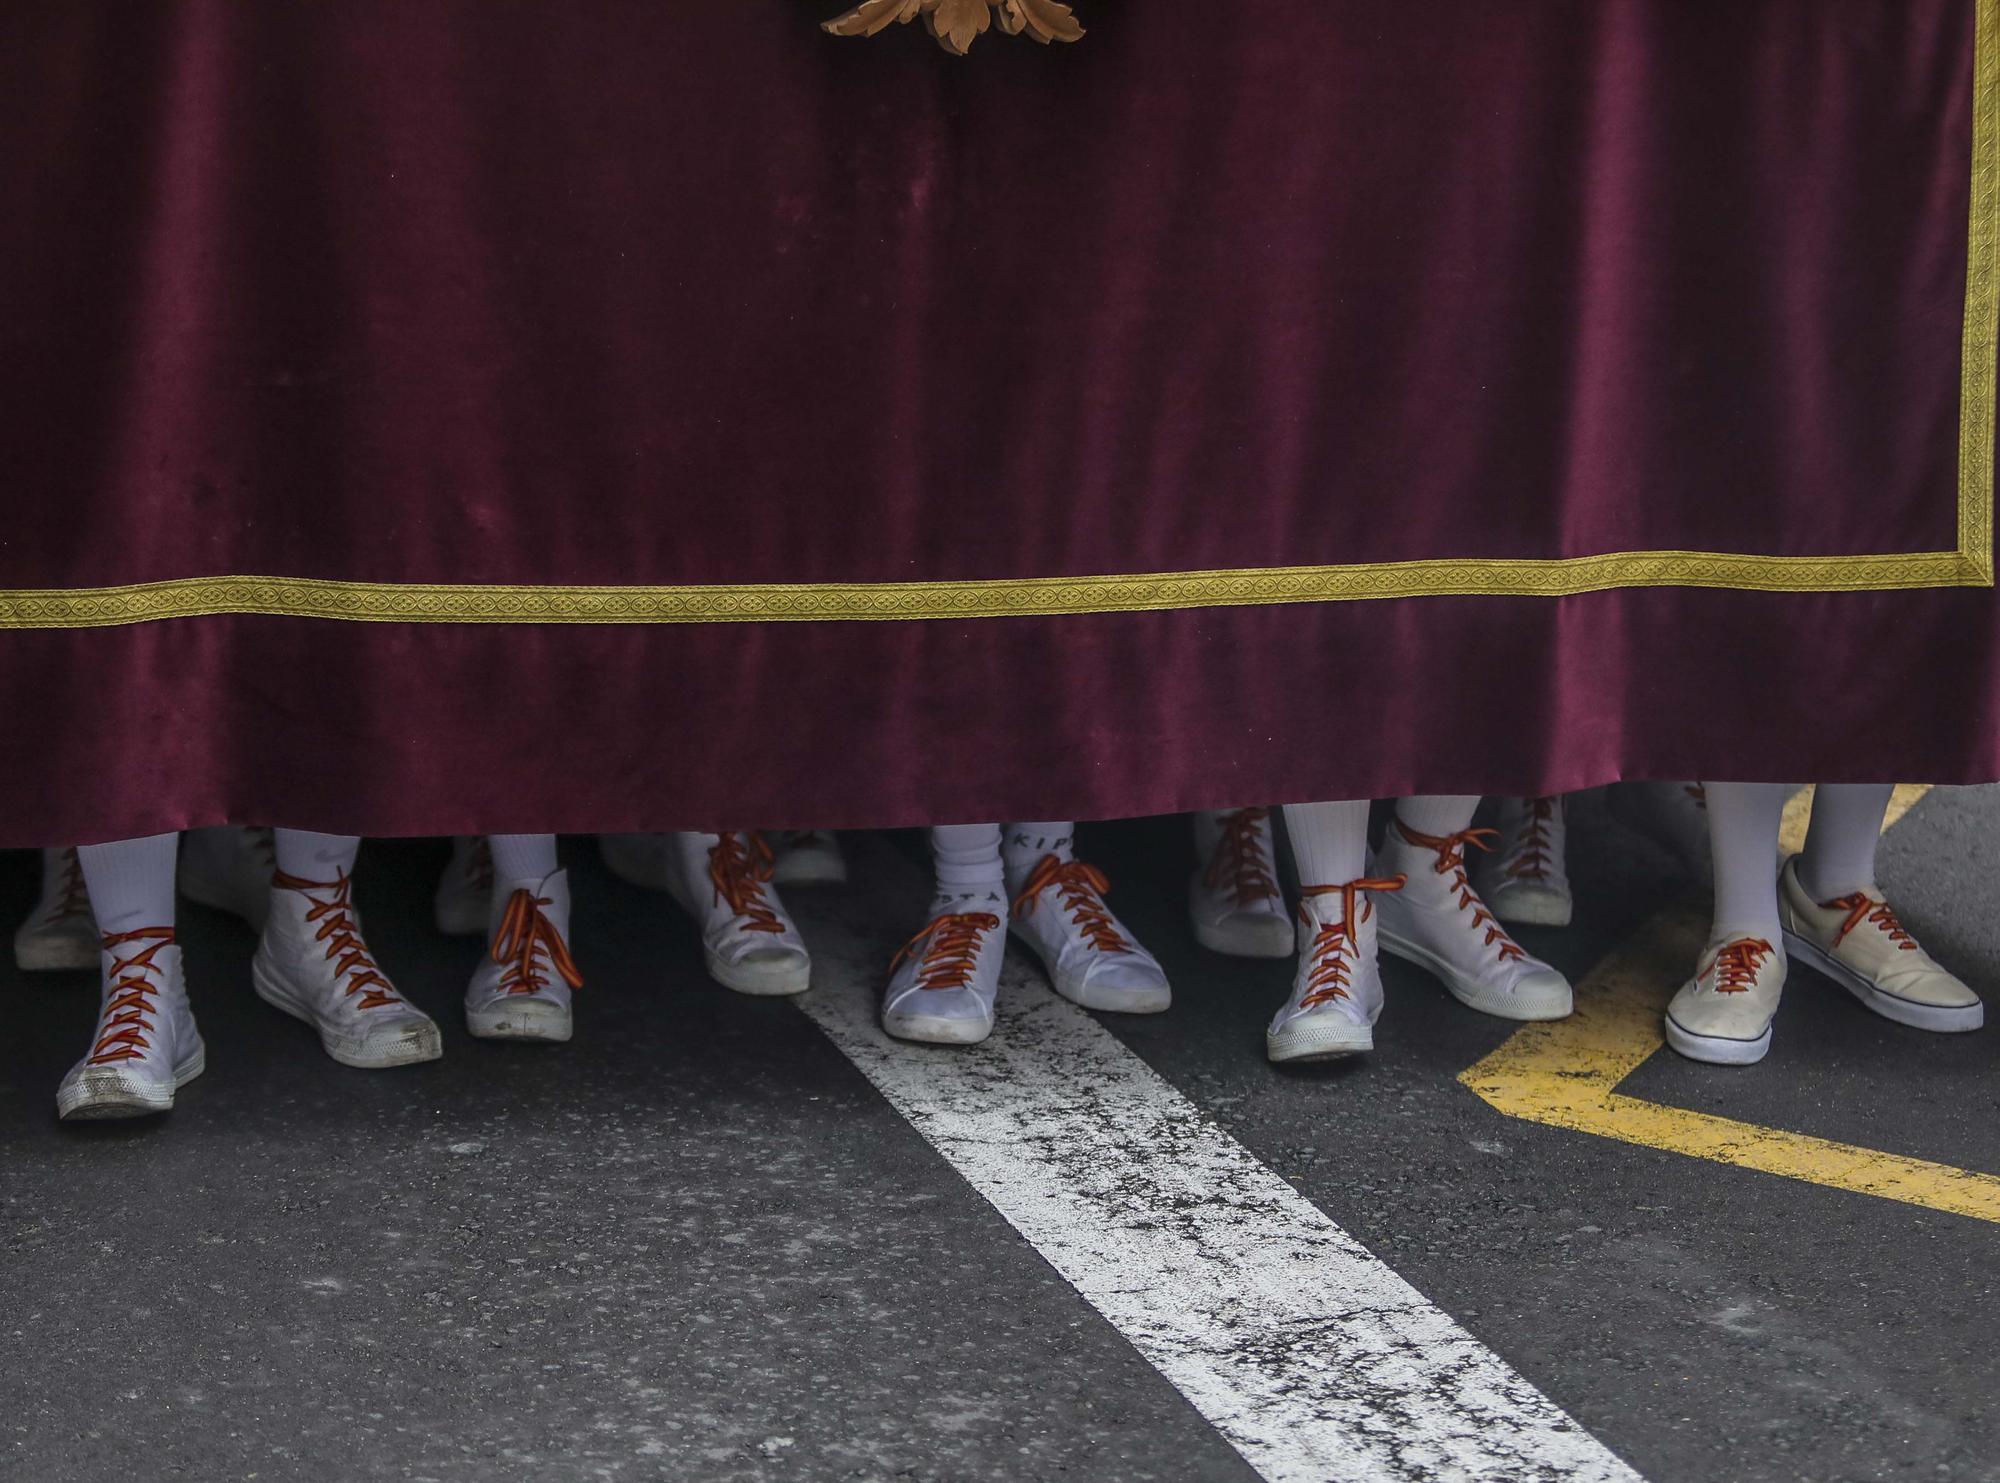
[
  {"x": 1450, "y": 850},
  {"x": 1328, "y": 978},
  {"x": 479, "y": 865},
  {"x": 1736, "y": 965},
  {"x": 525, "y": 931},
  {"x": 1239, "y": 858},
  {"x": 1082, "y": 887},
  {"x": 1861, "y": 907},
  {"x": 1531, "y": 861},
  {"x": 128, "y": 1012},
  {"x": 1698, "y": 793},
  {"x": 739, "y": 865},
  {"x": 950, "y": 948},
  {"x": 73, "y": 898},
  {"x": 342, "y": 936}
]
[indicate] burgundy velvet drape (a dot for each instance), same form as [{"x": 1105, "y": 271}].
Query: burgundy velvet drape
[{"x": 653, "y": 292}]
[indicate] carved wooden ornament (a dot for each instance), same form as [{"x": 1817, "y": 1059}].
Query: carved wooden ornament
[{"x": 959, "y": 23}]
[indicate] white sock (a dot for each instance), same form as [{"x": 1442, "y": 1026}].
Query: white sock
[
  {"x": 1839, "y": 857},
  {"x": 1743, "y": 840},
  {"x": 1024, "y": 845},
  {"x": 131, "y": 882},
  {"x": 966, "y": 859},
  {"x": 322, "y": 858},
  {"x": 1439, "y": 815},
  {"x": 1329, "y": 841},
  {"x": 522, "y": 859}
]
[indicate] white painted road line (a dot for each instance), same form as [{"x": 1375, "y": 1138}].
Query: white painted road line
[{"x": 1307, "y": 1353}]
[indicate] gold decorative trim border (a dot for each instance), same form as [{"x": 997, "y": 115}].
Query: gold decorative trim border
[
  {"x": 1971, "y": 565},
  {"x": 775, "y": 602}
]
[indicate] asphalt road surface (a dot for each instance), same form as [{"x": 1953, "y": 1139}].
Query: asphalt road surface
[{"x": 736, "y": 1239}]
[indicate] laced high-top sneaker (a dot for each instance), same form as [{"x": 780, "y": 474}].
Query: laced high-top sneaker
[
  {"x": 1674, "y": 816},
  {"x": 1234, "y": 900},
  {"x": 1059, "y": 911},
  {"x": 747, "y": 938},
  {"x": 522, "y": 990},
  {"x": 313, "y": 963},
  {"x": 1856, "y": 941},
  {"x": 943, "y": 982},
  {"x": 808, "y": 857},
  {"x": 229, "y": 869},
  {"x": 1723, "y": 1014},
  {"x": 60, "y": 934},
  {"x": 643, "y": 860},
  {"x": 147, "y": 1046},
  {"x": 1526, "y": 878},
  {"x": 1337, "y": 986},
  {"x": 1439, "y": 922},
  {"x": 463, "y": 904}
]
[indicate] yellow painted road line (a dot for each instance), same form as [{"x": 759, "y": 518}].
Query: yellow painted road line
[{"x": 1566, "y": 1074}]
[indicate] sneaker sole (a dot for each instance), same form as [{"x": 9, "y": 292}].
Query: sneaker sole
[
  {"x": 1541, "y": 909},
  {"x": 1475, "y": 996},
  {"x": 1157, "y": 999},
  {"x": 533, "y": 1020},
  {"x": 36, "y": 954},
  {"x": 814, "y": 874},
  {"x": 1943, "y": 1019},
  {"x": 1717, "y": 1050},
  {"x": 930, "y": 1029},
  {"x": 419, "y": 1044},
  {"x": 104, "y": 1093},
  {"x": 1331, "y": 1041},
  {"x": 762, "y": 981}
]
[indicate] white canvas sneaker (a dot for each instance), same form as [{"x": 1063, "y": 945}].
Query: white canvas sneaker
[
  {"x": 229, "y": 869},
  {"x": 1059, "y": 911},
  {"x": 1234, "y": 900},
  {"x": 1526, "y": 878},
  {"x": 944, "y": 981},
  {"x": 522, "y": 990},
  {"x": 313, "y": 963},
  {"x": 147, "y": 1046},
  {"x": 1337, "y": 986},
  {"x": 463, "y": 904},
  {"x": 60, "y": 934},
  {"x": 1674, "y": 816},
  {"x": 747, "y": 938},
  {"x": 809, "y": 857},
  {"x": 1856, "y": 941},
  {"x": 1723, "y": 1014},
  {"x": 1439, "y": 922},
  {"x": 643, "y": 860}
]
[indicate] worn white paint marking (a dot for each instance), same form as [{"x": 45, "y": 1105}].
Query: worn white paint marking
[{"x": 1311, "y": 1357}]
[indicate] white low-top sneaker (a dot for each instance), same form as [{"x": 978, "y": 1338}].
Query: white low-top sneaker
[
  {"x": 229, "y": 869},
  {"x": 147, "y": 1046},
  {"x": 463, "y": 904},
  {"x": 1439, "y": 922},
  {"x": 1090, "y": 957},
  {"x": 643, "y": 860},
  {"x": 313, "y": 963},
  {"x": 944, "y": 981},
  {"x": 522, "y": 990},
  {"x": 1723, "y": 1014},
  {"x": 748, "y": 940},
  {"x": 1337, "y": 986},
  {"x": 809, "y": 857},
  {"x": 1856, "y": 941},
  {"x": 60, "y": 935},
  {"x": 1526, "y": 877},
  {"x": 1674, "y": 816},
  {"x": 1234, "y": 900}
]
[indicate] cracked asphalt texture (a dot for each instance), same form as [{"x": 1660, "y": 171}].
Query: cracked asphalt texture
[{"x": 695, "y": 1243}]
